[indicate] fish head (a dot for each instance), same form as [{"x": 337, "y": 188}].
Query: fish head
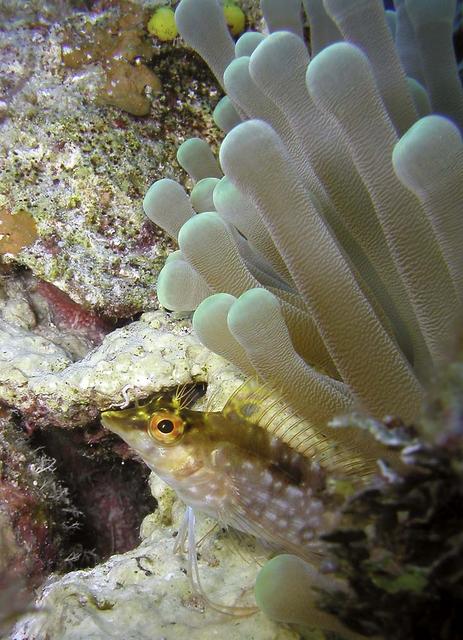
[{"x": 161, "y": 433}]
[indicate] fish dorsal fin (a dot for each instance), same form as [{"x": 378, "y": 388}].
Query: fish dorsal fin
[{"x": 259, "y": 404}]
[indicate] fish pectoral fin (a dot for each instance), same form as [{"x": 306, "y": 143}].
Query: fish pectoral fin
[
  {"x": 246, "y": 401},
  {"x": 241, "y": 516},
  {"x": 238, "y": 543}
]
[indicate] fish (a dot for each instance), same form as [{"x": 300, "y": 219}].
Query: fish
[{"x": 237, "y": 466}]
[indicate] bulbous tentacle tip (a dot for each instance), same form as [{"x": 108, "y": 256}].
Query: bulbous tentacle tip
[
  {"x": 239, "y": 145},
  {"x": 426, "y": 150},
  {"x": 338, "y": 66},
  {"x": 196, "y": 157},
  {"x": 201, "y": 195},
  {"x": 249, "y": 318},
  {"x": 225, "y": 115},
  {"x": 287, "y": 590},
  {"x": 160, "y": 191},
  {"x": 215, "y": 302},
  {"x": 180, "y": 287},
  {"x": 167, "y": 204},
  {"x": 212, "y": 311},
  {"x": 197, "y": 229},
  {"x": 248, "y": 42}
]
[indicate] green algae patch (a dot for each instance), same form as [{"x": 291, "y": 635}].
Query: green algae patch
[
  {"x": 235, "y": 18},
  {"x": 413, "y": 580},
  {"x": 162, "y": 24}
]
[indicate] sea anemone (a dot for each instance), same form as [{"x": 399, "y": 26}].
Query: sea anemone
[
  {"x": 335, "y": 232},
  {"x": 325, "y": 255}
]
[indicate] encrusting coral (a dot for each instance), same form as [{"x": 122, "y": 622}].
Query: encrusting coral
[
  {"x": 327, "y": 257},
  {"x": 73, "y": 170},
  {"x": 123, "y": 49}
]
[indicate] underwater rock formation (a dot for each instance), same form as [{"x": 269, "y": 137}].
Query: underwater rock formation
[
  {"x": 78, "y": 168},
  {"x": 40, "y": 378},
  {"x": 57, "y": 401},
  {"x": 145, "y": 594},
  {"x": 37, "y": 518}
]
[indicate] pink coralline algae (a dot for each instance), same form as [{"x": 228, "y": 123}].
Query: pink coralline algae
[{"x": 67, "y": 314}]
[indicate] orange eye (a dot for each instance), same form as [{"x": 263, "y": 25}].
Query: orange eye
[{"x": 166, "y": 427}]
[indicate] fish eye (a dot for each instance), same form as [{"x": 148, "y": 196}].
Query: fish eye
[{"x": 166, "y": 428}]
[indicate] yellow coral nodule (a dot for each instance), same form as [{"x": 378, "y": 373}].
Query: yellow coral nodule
[
  {"x": 162, "y": 24},
  {"x": 235, "y": 18}
]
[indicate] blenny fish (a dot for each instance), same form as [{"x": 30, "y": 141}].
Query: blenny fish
[{"x": 235, "y": 466}]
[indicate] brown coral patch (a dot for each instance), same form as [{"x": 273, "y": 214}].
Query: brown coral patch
[
  {"x": 127, "y": 87},
  {"x": 17, "y": 231},
  {"x": 121, "y": 47}
]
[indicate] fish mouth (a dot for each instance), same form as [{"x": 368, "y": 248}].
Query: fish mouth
[{"x": 124, "y": 420}]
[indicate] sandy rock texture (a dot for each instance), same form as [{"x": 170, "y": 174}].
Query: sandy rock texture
[{"x": 145, "y": 594}]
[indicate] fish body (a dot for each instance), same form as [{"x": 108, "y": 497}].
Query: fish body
[{"x": 227, "y": 466}]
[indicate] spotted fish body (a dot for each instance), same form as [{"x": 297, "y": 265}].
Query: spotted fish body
[{"x": 226, "y": 465}]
